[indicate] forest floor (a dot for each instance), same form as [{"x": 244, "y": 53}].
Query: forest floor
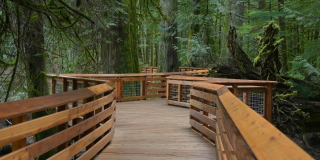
[{"x": 314, "y": 151}]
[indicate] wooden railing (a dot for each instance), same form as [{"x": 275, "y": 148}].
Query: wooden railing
[
  {"x": 256, "y": 94},
  {"x": 149, "y": 69},
  {"x": 84, "y": 119},
  {"x": 182, "y": 69},
  {"x": 138, "y": 86},
  {"x": 237, "y": 130}
]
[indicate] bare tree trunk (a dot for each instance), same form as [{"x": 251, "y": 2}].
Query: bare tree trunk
[
  {"x": 262, "y": 4},
  {"x": 170, "y": 55},
  {"x": 283, "y": 46}
]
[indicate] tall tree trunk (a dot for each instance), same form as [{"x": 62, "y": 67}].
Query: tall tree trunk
[
  {"x": 262, "y": 4},
  {"x": 283, "y": 46},
  {"x": 152, "y": 49},
  {"x": 36, "y": 70},
  {"x": 237, "y": 7},
  {"x": 127, "y": 54},
  {"x": 170, "y": 55}
]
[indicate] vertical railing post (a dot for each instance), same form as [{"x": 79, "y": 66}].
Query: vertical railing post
[
  {"x": 121, "y": 89},
  {"x": 245, "y": 98},
  {"x": 268, "y": 103},
  {"x": 144, "y": 87},
  {"x": 163, "y": 81},
  {"x": 22, "y": 142},
  {"x": 235, "y": 90},
  {"x": 168, "y": 92},
  {"x": 90, "y": 114},
  {"x": 179, "y": 92},
  {"x": 61, "y": 108},
  {"x": 53, "y": 85},
  {"x": 118, "y": 88}
]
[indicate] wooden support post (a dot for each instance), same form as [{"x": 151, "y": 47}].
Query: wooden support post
[
  {"x": 118, "y": 89},
  {"x": 144, "y": 88},
  {"x": 235, "y": 89},
  {"x": 22, "y": 142},
  {"x": 63, "y": 126},
  {"x": 121, "y": 90},
  {"x": 268, "y": 103},
  {"x": 163, "y": 81},
  {"x": 168, "y": 92},
  {"x": 90, "y": 114},
  {"x": 74, "y": 104},
  {"x": 179, "y": 92},
  {"x": 245, "y": 98},
  {"x": 53, "y": 85}
]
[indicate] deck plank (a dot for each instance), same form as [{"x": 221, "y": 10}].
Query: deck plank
[{"x": 153, "y": 130}]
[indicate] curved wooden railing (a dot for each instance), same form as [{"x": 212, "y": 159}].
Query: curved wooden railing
[
  {"x": 84, "y": 120},
  {"x": 138, "y": 86},
  {"x": 152, "y": 69},
  {"x": 237, "y": 130},
  {"x": 254, "y": 93}
]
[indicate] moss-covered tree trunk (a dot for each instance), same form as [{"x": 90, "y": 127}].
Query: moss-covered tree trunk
[
  {"x": 240, "y": 59},
  {"x": 268, "y": 58},
  {"x": 169, "y": 33},
  {"x": 127, "y": 51},
  {"x": 36, "y": 70}
]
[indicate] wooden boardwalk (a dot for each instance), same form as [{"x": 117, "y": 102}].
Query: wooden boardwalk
[{"x": 154, "y": 130}]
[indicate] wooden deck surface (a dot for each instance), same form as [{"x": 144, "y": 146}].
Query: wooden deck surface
[{"x": 153, "y": 130}]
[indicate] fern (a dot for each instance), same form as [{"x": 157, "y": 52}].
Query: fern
[{"x": 302, "y": 69}]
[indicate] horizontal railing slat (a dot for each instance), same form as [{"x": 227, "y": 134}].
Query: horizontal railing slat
[
  {"x": 203, "y": 118},
  {"x": 211, "y": 134},
  {"x": 98, "y": 146},
  {"x": 22, "y": 130},
  {"x": 83, "y": 142},
  {"x": 24, "y": 107},
  {"x": 202, "y": 106}
]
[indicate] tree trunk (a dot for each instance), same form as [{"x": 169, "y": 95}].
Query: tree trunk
[
  {"x": 127, "y": 53},
  {"x": 170, "y": 55},
  {"x": 36, "y": 70},
  {"x": 283, "y": 46},
  {"x": 262, "y": 4},
  {"x": 268, "y": 58},
  {"x": 240, "y": 59},
  {"x": 237, "y": 7}
]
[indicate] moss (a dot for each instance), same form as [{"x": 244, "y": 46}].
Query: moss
[
  {"x": 276, "y": 43},
  {"x": 273, "y": 24},
  {"x": 285, "y": 96}
]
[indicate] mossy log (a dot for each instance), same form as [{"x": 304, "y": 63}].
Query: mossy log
[
  {"x": 240, "y": 59},
  {"x": 268, "y": 58}
]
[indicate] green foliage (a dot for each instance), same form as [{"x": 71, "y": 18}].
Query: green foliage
[{"x": 302, "y": 69}]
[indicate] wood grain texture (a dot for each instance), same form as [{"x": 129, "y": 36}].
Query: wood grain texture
[
  {"x": 162, "y": 133},
  {"x": 51, "y": 142},
  {"x": 83, "y": 142},
  {"x": 220, "y": 80},
  {"x": 24, "y": 107},
  {"x": 176, "y": 103},
  {"x": 23, "y": 130},
  {"x": 203, "y": 118},
  {"x": 265, "y": 140},
  {"x": 202, "y": 106}
]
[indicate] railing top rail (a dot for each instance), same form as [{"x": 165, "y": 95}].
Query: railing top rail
[
  {"x": 220, "y": 80},
  {"x": 130, "y": 74},
  {"x": 264, "y": 140},
  {"x": 80, "y": 79}
]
